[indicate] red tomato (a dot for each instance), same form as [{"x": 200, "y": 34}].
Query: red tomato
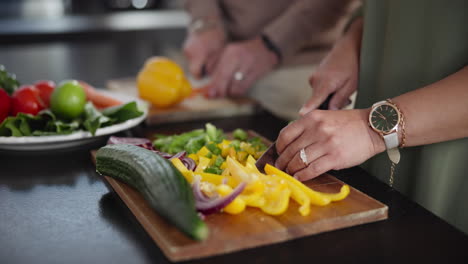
[
  {"x": 5, "y": 104},
  {"x": 45, "y": 90},
  {"x": 26, "y": 100}
]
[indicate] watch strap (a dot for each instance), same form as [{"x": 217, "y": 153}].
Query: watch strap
[{"x": 391, "y": 140}]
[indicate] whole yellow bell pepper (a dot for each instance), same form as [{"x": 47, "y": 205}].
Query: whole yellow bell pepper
[{"x": 162, "y": 82}]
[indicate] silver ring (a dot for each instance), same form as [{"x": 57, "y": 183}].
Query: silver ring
[
  {"x": 238, "y": 76},
  {"x": 303, "y": 157}
]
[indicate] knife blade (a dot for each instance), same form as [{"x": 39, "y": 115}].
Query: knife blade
[{"x": 270, "y": 155}]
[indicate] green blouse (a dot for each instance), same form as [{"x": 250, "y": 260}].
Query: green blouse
[{"x": 407, "y": 45}]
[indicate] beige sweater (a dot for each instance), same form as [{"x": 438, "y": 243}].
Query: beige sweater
[{"x": 297, "y": 27}]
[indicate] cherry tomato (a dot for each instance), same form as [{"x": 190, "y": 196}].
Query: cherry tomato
[
  {"x": 26, "y": 100},
  {"x": 5, "y": 104},
  {"x": 45, "y": 90}
]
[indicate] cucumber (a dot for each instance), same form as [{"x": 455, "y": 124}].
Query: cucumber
[{"x": 160, "y": 183}]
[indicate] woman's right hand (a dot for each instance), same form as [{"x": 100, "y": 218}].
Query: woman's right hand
[
  {"x": 202, "y": 50},
  {"x": 337, "y": 73}
]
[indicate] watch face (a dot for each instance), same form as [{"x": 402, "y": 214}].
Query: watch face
[{"x": 384, "y": 118}]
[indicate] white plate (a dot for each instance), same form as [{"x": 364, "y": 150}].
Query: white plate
[{"x": 77, "y": 138}]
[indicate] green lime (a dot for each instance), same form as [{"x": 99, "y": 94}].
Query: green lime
[{"x": 68, "y": 100}]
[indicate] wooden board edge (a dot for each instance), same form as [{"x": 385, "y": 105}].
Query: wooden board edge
[
  {"x": 193, "y": 253},
  {"x": 240, "y": 110}
]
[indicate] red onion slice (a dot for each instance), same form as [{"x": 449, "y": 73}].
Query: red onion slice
[
  {"x": 197, "y": 193},
  {"x": 215, "y": 205}
]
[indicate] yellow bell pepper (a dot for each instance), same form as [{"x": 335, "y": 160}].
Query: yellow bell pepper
[
  {"x": 203, "y": 163},
  {"x": 334, "y": 197},
  {"x": 276, "y": 197},
  {"x": 193, "y": 156},
  {"x": 188, "y": 174},
  {"x": 203, "y": 152},
  {"x": 237, "y": 205},
  {"x": 224, "y": 146},
  {"x": 315, "y": 197},
  {"x": 162, "y": 82}
]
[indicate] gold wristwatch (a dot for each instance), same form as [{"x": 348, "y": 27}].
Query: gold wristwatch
[{"x": 386, "y": 119}]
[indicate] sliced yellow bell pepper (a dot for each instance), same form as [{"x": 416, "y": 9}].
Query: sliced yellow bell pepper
[
  {"x": 276, "y": 198},
  {"x": 217, "y": 179},
  {"x": 193, "y": 156},
  {"x": 344, "y": 191},
  {"x": 188, "y": 174},
  {"x": 238, "y": 171},
  {"x": 203, "y": 152},
  {"x": 203, "y": 163},
  {"x": 316, "y": 198},
  {"x": 301, "y": 198},
  {"x": 224, "y": 146},
  {"x": 237, "y": 205}
]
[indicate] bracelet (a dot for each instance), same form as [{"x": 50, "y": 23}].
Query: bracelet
[
  {"x": 202, "y": 24},
  {"x": 272, "y": 47},
  {"x": 402, "y": 124}
]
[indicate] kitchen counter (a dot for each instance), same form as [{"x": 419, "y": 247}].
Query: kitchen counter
[{"x": 54, "y": 207}]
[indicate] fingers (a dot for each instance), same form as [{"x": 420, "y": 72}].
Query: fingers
[
  {"x": 291, "y": 151},
  {"x": 288, "y": 135},
  {"x": 320, "y": 94},
  {"x": 222, "y": 78},
  {"x": 239, "y": 87},
  {"x": 311, "y": 154},
  {"x": 211, "y": 63},
  {"x": 341, "y": 97},
  {"x": 316, "y": 168}
]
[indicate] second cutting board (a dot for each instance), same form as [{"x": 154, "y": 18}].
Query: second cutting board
[{"x": 194, "y": 108}]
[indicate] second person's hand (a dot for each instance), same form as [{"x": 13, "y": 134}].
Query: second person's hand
[
  {"x": 202, "y": 50},
  {"x": 240, "y": 65}
]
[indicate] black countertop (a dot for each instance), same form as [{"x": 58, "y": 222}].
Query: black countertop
[{"x": 54, "y": 208}]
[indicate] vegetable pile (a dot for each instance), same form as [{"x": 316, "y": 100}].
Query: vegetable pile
[
  {"x": 223, "y": 174},
  {"x": 219, "y": 170},
  {"x": 45, "y": 108}
]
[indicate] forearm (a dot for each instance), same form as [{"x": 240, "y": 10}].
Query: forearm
[
  {"x": 437, "y": 112},
  {"x": 207, "y": 10},
  {"x": 303, "y": 21},
  {"x": 353, "y": 36}
]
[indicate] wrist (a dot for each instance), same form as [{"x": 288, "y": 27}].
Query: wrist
[
  {"x": 268, "y": 55},
  {"x": 272, "y": 47},
  {"x": 377, "y": 141},
  {"x": 202, "y": 24}
]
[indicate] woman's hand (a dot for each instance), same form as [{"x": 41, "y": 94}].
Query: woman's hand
[
  {"x": 202, "y": 50},
  {"x": 332, "y": 140},
  {"x": 337, "y": 73},
  {"x": 240, "y": 65}
]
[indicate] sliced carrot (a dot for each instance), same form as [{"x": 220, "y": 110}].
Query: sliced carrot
[
  {"x": 203, "y": 91},
  {"x": 99, "y": 99}
]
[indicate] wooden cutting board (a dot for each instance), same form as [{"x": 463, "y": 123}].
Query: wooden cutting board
[
  {"x": 194, "y": 108},
  {"x": 253, "y": 228}
]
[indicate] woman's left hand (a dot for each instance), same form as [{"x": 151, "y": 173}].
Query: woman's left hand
[
  {"x": 331, "y": 140},
  {"x": 239, "y": 66}
]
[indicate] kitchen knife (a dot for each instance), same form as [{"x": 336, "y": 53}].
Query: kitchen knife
[{"x": 270, "y": 155}]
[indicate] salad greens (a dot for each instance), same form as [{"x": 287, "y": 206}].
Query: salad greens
[
  {"x": 45, "y": 123},
  {"x": 8, "y": 81}
]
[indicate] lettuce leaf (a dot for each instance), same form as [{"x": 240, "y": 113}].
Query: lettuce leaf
[{"x": 45, "y": 123}]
